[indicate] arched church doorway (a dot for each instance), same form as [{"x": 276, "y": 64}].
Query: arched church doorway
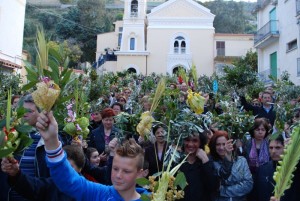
[
  {"x": 131, "y": 70},
  {"x": 176, "y": 69}
]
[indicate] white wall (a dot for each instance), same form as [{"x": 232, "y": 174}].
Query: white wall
[
  {"x": 12, "y": 15},
  {"x": 264, "y": 57},
  {"x": 289, "y": 31}
]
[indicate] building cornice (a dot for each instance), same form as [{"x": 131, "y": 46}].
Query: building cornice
[
  {"x": 132, "y": 53},
  {"x": 191, "y": 2}
]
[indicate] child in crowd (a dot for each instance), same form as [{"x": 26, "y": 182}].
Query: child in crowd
[{"x": 127, "y": 166}]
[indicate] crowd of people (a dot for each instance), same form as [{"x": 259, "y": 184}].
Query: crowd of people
[{"x": 102, "y": 167}]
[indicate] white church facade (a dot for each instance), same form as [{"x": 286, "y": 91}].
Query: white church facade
[{"x": 177, "y": 33}]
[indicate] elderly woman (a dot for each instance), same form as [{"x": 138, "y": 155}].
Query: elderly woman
[
  {"x": 256, "y": 148},
  {"x": 234, "y": 174},
  {"x": 154, "y": 154},
  {"x": 101, "y": 136}
]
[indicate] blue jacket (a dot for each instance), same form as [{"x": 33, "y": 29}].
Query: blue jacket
[
  {"x": 238, "y": 184},
  {"x": 76, "y": 186}
]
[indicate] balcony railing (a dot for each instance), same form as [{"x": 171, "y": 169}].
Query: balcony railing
[
  {"x": 269, "y": 29},
  {"x": 298, "y": 7}
]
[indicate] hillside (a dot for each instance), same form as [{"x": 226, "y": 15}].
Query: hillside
[{"x": 79, "y": 23}]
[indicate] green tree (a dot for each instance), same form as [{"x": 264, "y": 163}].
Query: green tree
[
  {"x": 69, "y": 49},
  {"x": 230, "y": 16},
  {"x": 83, "y": 23},
  {"x": 250, "y": 61}
]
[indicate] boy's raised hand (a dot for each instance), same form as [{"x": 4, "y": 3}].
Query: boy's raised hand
[{"x": 47, "y": 126}]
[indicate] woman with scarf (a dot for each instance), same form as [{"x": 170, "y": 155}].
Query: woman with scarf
[{"x": 256, "y": 148}]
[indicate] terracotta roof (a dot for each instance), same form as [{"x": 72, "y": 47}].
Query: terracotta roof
[
  {"x": 229, "y": 34},
  {"x": 9, "y": 64},
  {"x": 78, "y": 71},
  {"x": 74, "y": 70}
]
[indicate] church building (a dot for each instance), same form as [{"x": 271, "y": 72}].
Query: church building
[{"x": 177, "y": 33}]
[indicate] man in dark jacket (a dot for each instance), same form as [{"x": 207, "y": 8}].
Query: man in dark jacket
[
  {"x": 264, "y": 183},
  {"x": 266, "y": 110},
  {"x": 32, "y": 160},
  {"x": 42, "y": 189}
]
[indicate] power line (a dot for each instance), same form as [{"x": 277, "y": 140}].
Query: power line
[{"x": 95, "y": 32}]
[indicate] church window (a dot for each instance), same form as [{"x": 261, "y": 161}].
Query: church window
[
  {"x": 132, "y": 43},
  {"x": 134, "y": 8},
  {"x": 119, "y": 39},
  {"x": 182, "y": 48},
  {"x": 176, "y": 47},
  {"x": 179, "y": 45}
]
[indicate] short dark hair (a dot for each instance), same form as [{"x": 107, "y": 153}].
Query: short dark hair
[
  {"x": 202, "y": 138},
  {"x": 279, "y": 139},
  {"x": 131, "y": 149},
  {"x": 260, "y": 121},
  {"x": 213, "y": 142},
  {"x": 119, "y": 104},
  {"x": 156, "y": 127},
  {"x": 75, "y": 153}
]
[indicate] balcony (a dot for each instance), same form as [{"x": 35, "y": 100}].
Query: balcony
[
  {"x": 264, "y": 76},
  {"x": 266, "y": 35},
  {"x": 298, "y": 8}
]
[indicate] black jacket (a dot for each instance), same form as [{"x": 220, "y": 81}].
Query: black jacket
[
  {"x": 97, "y": 139},
  {"x": 202, "y": 182},
  {"x": 37, "y": 189},
  {"x": 259, "y": 111},
  {"x": 264, "y": 184},
  {"x": 151, "y": 157},
  {"x": 101, "y": 174}
]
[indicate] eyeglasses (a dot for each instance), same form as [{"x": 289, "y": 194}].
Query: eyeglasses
[{"x": 126, "y": 92}]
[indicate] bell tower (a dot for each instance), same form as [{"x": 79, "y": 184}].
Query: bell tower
[{"x": 134, "y": 18}]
